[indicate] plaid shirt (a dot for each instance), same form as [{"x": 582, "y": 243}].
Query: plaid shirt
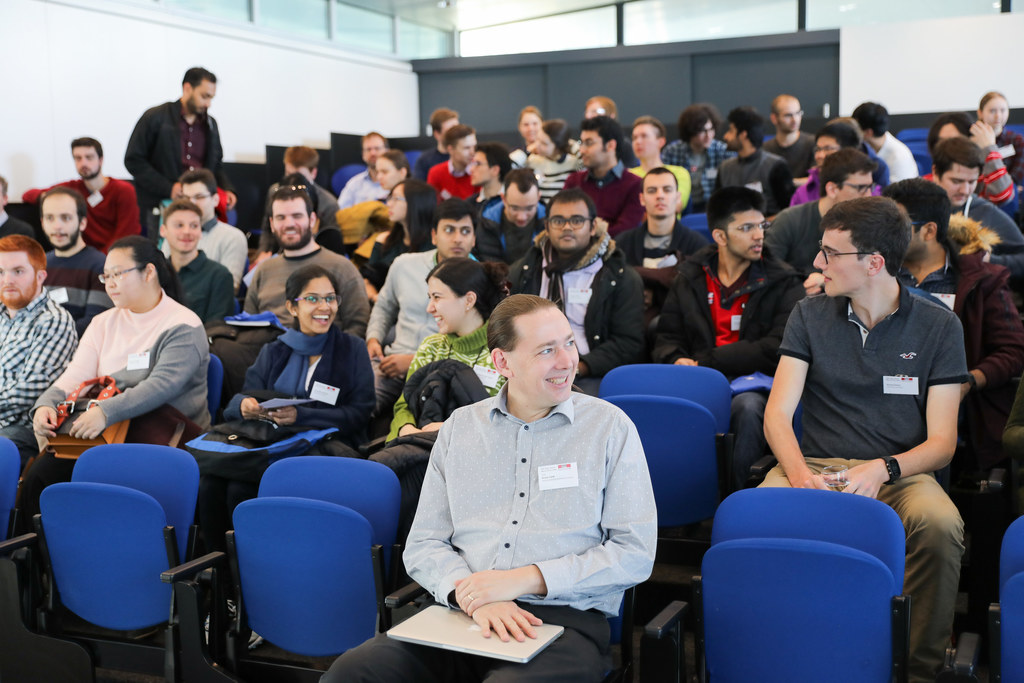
[
  {"x": 676, "y": 154},
  {"x": 35, "y": 347}
]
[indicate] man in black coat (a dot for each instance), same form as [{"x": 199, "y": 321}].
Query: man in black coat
[
  {"x": 172, "y": 138},
  {"x": 727, "y": 309}
]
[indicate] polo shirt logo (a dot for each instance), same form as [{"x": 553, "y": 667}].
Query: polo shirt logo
[{"x": 908, "y": 356}]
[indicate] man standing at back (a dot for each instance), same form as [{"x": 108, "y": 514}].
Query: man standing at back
[
  {"x": 879, "y": 372},
  {"x": 790, "y": 143},
  {"x": 172, "y": 138}
]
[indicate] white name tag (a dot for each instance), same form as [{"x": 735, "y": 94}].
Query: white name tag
[
  {"x": 138, "y": 361},
  {"x": 558, "y": 476},
  {"x": 948, "y": 299},
  {"x": 488, "y": 376},
  {"x": 734, "y": 323},
  {"x": 899, "y": 384},
  {"x": 1006, "y": 151},
  {"x": 95, "y": 198},
  {"x": 580, "y": 295},
  {"x": 324, "y": 393},
  {"x": 755, "y": 186},
  {"x": 59, "y": 295},
  {"x": 711, "y": 173}
]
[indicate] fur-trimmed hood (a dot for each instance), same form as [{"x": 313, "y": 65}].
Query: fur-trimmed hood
[
  {"x": 601, "y": 246},
  {"x": 968, "y": 236}
]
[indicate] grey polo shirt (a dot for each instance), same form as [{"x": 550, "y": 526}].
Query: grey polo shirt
[{"x": 848, "y": 412}]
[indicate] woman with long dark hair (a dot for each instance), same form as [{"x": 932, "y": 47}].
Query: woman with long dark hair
[{"x": 411, "y": 207}]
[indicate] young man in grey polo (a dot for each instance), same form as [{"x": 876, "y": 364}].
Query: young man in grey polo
[{"x": 879, "y": 372}]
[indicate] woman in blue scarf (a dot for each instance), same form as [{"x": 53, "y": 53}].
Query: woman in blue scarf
[{"x": 316, "y": 360}]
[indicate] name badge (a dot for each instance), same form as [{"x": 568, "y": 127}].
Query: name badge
[
  {"x": 948, "y": 299},
  {"x": 580, "y": 295},
  {"x": 900, "y": 384},
  {"x": 59, "y": 295},
  {"x": 562, "y": 476},
  {"x": 324, "y": 393},
  {"x": 734, "y": 323},
  {"x": 138, "y": 361},
  {"x": 488, "y": 376},
  {"x": 95, "y": 198},
  {"x": 711, "y": 173},
  {"x": 756, "y": 186},
  {"x": 1006, "y": 151}
]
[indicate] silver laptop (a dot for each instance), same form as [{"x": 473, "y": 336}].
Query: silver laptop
[{"x": 449, "y": 629}]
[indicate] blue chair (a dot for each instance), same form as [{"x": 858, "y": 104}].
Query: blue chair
[
  {"x": 704, "y": 386},
  {"x": 908, "y": 135},
  {"x": 215, "y": 383},
  {"x": 10, "y": 470},
  {"x": 698, "y": 222},
  {"x": 345, "y": 174},
  {"x": 922, "y": 156},
  {"x": 412, "y": 155},
  {"x": 1006, "y": 619}
]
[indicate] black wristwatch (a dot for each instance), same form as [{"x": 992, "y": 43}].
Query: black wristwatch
[{"x": 893, "y": 466}]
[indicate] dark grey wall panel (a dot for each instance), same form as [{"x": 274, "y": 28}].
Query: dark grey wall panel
[{"x": 487, "y": 99}]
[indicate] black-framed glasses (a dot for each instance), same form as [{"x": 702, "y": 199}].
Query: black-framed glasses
[
  {"x": 576, "y": 221},
  {"x": 118, "y": 275},
  {"x": 314, "y": 299},
  {"x": 859, "y": 188},
  {"x": 828, "y": 253}
]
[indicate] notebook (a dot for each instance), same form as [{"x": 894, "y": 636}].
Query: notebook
[{"x": 450, "y": 629}]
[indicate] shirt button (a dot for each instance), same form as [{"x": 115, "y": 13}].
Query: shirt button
[
  {"x": 524, "y": 460},
  {"x": 526, "y": 427},
  {"x": 188, "y": 156},
  {"x": 515, "y": 522},
  {"x": 190, "y": 144},
  {"x": 522, "y": 495},
  {"x": 506, "y": 545}
]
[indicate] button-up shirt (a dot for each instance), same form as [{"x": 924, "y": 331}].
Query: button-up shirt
[
  {"x": 193, "y": 141},
  {"x": 482, "y": 505}
]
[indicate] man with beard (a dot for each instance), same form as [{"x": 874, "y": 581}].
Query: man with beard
[
  {"x": 73, "y": 267},
  {"x": 38, "y": 339},
  {"x": 790, "y": 143},
  {"x": 113, "y": 209},
  {"x": 508, "y": 228},
  {"x": 754, "y": 168},
  {"x": 172, "y": 138},
  {"x": 575, "y": 264}
]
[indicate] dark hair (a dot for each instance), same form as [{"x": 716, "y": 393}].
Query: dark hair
[
  {"x": 726, "y": 202},
  {"x": 497, "y": 155},
  {"x": 182, "y": 204},
  {"x": 661, "y": 170},
  {"x": 288, "y": 189},
  {"x": 651, "y": 121},
  {"x": 454, "y": 209},
  {"x": 747, "y": 120},
  {"x": 298, "y": 280},
  {"x": 488, "y": 280},
  {"x": 875, "y": 224},
  {"x": 144, "y": 252},
  {"x": 694, "y": 119},
  {"x": 956, "y": 151},
  {"x": 396, "y": 157},
  {"x": 841, "y": 165},
  {"x": 572, "y": 195},
  {"x": 197, "y": 75},
  {"x": 872, "y": 116},
  {"x": 523, "y": 178},
  {"x": 301, "y": 182},
  {"x": 606, "y": 127},
  {"x": 88, "y": 142},
  {"x": 501, "y": 326},
  {"x": 456, "y": 133},
  {"x": 960, "y": 120},
  {"x": 924, "y": 202},
  {"x": 81, "y": 208},
  {"x": 559, "y": 132},
  {"x": 420, "y": 202},
  {"x": 840, "y": 131},
  {"x": 200, "y": 175}
]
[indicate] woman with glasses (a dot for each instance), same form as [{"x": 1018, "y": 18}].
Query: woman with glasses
[
  {"x": 314, "y": 360},
  {"x": 153, "y": 347},
  {"x": 411, "y": 210}
]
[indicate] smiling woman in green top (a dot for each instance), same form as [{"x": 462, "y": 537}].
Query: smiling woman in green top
[{"x": 461, "y": 295}]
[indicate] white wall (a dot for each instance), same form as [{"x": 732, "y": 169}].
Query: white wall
[
  {"x": 932, "y": 65},
  {"x": 72, "y": 70}
]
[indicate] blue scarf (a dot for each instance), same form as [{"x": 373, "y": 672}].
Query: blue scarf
[{"x": 292, "y": 380}]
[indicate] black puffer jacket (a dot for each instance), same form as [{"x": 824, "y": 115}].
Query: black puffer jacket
[{"x": 438, "y": 388}]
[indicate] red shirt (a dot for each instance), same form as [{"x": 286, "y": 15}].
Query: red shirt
[
  {"x": 442, "y": 177},
  {"x": 726, "y": 319}
]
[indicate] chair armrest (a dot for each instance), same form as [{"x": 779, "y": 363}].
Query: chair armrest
[
  {"x": 759, "y": 470},
  {"x": 369, "y": 448},
  {"x": 666, "y": 619},
  {"x": 404, "y": 595},
  {"x": 996, "y": 480},
  {"x": 10, "y": 545},
  {"x": 184, "y": 572}
]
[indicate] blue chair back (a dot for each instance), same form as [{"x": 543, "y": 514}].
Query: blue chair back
[
  {"x": 412, "y": 155},
  {"x": 704, "y": 386},
  {"x": 106, "y": 547},
  {"x": 698, "y": 222},
  {"x": 783, "y": 609},
  {"x": 369, "y": 488},
  {"x": 345, "y": 174},
  {"x": 922, "y": 157},
  {"x": 866, "y": 524},
  {"x": 1011, "y": 554},
  {"x": 169, "y": 475},
  {"x": 678, "y": 437},
  {"x": 306, "y": 574},
  {"x": 215, "y": 382},
  {"x": 908, "y": 135},
  {"x": 10, "y": 470}
]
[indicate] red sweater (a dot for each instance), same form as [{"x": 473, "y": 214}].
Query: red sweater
[
  {"x": 114, "y": 217},
  {"x": 449, "y": 185},
  {"x": 618, "y": 201}
]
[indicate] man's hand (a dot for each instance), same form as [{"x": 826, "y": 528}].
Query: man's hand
[
  {"x": 495, "y": 585},
  {"x": 284, "y": 416},
  {"x": 601, "y": 224},
  {"x": 684, "y": 361},
  {"x": 250, "y": 409},
  {"x": 814, "y": 284},
  {"x": 44, "y": 422},
  {"x": 374, "y": 349},
  {"x": 866, "y": 479},
  {"x": 230, "y": 199},
  {"x": 807, "y": 480},
  {"x": 983, "y": 135},
  {"x": 506, "y": 618},
  {"x": 395, "y": 365},
  {"x": 89, "y": 424}
]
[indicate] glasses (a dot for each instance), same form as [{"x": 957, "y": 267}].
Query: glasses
[
  {"x": 826, "y": 148},
  {"x": 828, "y": 253},
  {"x": 314, "y": 299},
  {"x": 117, "y": 275},
  {"x": 859, "y": 188},
  {"x": 394, "y": 198},
  {"x": 574, "y": 221},
  {"x": 748, "y": 227}
]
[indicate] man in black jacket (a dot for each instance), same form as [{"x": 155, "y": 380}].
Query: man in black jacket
[
  {"x": 727, "y": 309},
  {"x": 577, "y": 265},
  {"x": 172, "y": 138}
]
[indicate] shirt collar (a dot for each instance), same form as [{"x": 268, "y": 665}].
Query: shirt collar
[
  {"x": 617, "y": 170},
  {"x": 451, "y": 169},
  {"x": 566, "y": 408},
  {"x": 208, "y": 225}
]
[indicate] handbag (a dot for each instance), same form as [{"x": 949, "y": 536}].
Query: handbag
[{"x": 68, "y": 447}]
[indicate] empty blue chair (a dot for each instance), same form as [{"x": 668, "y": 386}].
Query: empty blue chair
[
  {"x": 411, "y": 155},
  {"x": 1006, "y": 619},
  {"x": 345, "y": 174},
  {"x": 908, "y": 135},
  {"x": 215, "y": 382},
  {"x": 698, "y": 222},
  {"x": 704, "y": 386},
  {"x": 10, "y": 470}
]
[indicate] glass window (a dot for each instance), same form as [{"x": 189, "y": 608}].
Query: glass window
[
  {"x": 667, "y": 21},
  {"x": 823, "y": 14},
  {"x": 302, "y": 17},
  {"x": 235, "y": 10},
  {"x": 571, "y": 31},
  {"x": 357, "y": 27},
  {"x": 416, "y": 41}
]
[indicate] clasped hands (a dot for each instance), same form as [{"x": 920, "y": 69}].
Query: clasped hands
[{"x": 488, "y": 597}]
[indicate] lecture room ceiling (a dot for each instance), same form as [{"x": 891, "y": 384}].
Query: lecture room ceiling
[{"x": 460, "y": 15}]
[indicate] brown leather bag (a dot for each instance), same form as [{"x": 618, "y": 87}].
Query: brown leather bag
[{"x": 68, "y": 447}]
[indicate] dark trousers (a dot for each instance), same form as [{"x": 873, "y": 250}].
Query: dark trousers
[
  {"x": 45, "y": 470},
  {"x": 580, "y": 654},
  {"x": 218, "y": 498}
]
